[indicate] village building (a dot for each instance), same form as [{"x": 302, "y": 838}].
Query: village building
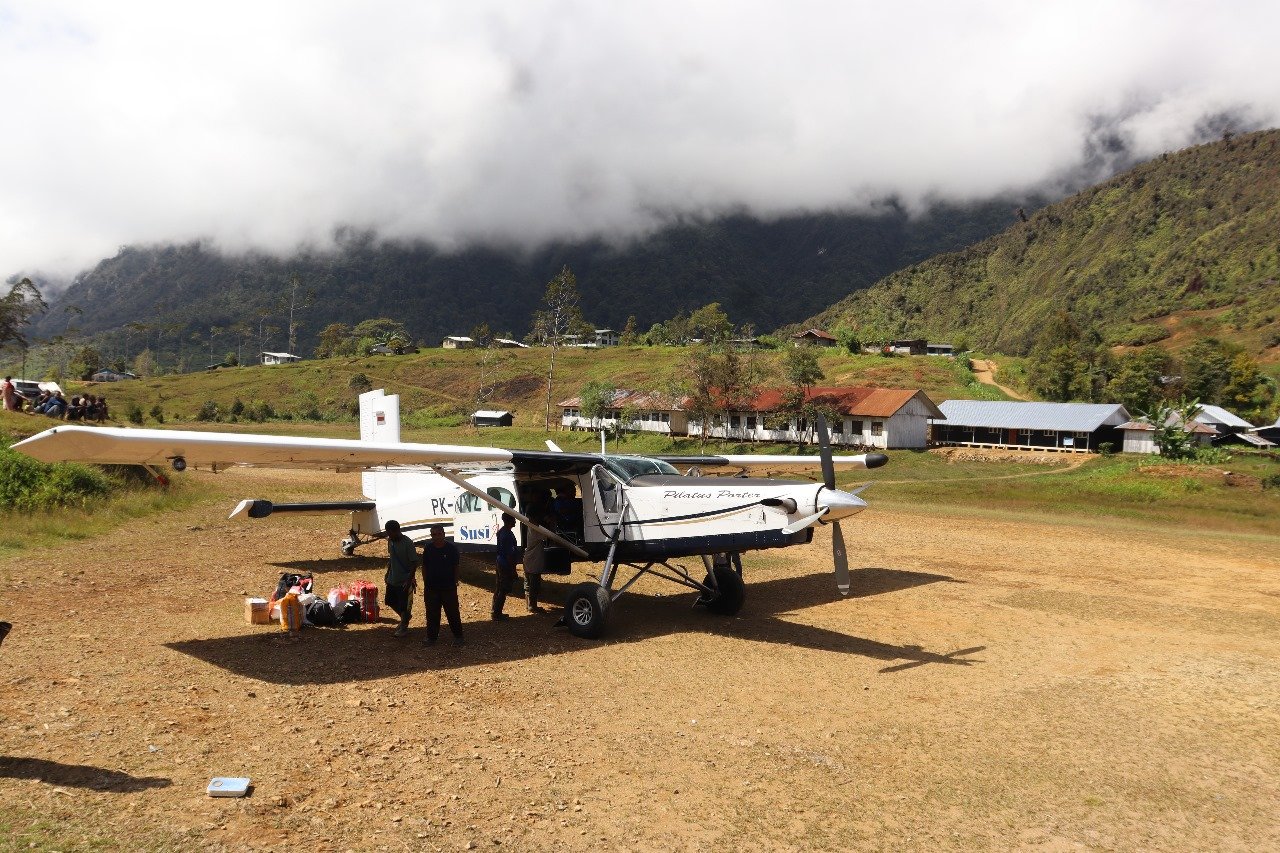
[
  {"x": 1140, "y": 436},
  {"x": 887, "y": 418},
  {"x": 106, "y": 374},
  {"x": 1078, "y": 427},
  {"x": 1230, "y": 428},
  {"x": 645, "y": 411},
  {"x": 940, "y": 349},
  {"x": 272, "y": 358},
  {"x": 491, "y": 418},
  {"x": 813, "y": 337},
  {"x": 607, "y": 337},
  {"x": 458, "y": 342},
  {"x": 908, "y": 346}
]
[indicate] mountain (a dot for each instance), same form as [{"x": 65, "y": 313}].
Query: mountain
[
  {"x": 1184, "y": 245},
  {"x": 763, "y": 273}
]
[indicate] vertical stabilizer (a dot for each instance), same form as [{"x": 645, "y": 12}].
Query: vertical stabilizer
[{"x": 379, "y": 423}]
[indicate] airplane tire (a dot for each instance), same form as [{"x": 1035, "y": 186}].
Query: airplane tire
[
  {"x": 586, "y": 610},
  {"x": 732, "y": 591}
]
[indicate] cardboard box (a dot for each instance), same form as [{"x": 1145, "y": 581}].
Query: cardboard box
[{"x": 257, "y": 611}]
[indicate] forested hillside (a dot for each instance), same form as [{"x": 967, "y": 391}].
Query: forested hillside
[
  {"x": 764, "y": 273},
  {"x": 1185, "y": 246}
]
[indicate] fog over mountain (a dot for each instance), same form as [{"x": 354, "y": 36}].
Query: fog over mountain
[{"x": 267, "y": 126}]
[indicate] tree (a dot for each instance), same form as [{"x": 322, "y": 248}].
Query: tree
[
  {"x": 335, "y": 339},
  {"x": 85, "y": 363},
  {"x": 1058, "y": 374},
  {"x": 22, "y": 302},
  {"x": 710, "y": 324},
  {"x": 1170, "y": 422},
  {"x": 482, "y": 335},
  {"x": 629, "y": 337},
  {"x": 298, "y": 301},
  {"x": 801, "y": 369},
  {"x": 144, "y": 365},
  {"x": 848, "y": 340},
  {"x": 1247, "y": 392},
  {"x": 597, "y": 398},
  {"x": 1136, "y": 383},
  {"x": 1206, "y": 370},
  {"x": 719, "y": 380},
  {"x": 559, "y": 316}
]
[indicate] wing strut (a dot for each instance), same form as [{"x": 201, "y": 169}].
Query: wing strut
[{"x": 503, "y": 508}]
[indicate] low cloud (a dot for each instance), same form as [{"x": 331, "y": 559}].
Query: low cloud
[{"x": 266, "y": 126}]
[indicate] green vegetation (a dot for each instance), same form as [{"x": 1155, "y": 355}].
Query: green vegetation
[
  {"x": 1181, "y": 246},
  {"x": 42, "y": 503},
  {"x": 1143, "y": 489}
]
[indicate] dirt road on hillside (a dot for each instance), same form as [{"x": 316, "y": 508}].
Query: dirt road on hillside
[
  {"x": 985, "y": 372},
  {"x": 988, "y": 685}
]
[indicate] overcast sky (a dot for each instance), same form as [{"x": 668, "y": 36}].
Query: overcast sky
[{"x": 267, "y": 124}]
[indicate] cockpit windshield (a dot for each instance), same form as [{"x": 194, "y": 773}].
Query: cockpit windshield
[{"x": 625, "y": 468}]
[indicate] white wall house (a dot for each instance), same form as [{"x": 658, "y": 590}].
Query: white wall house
[
  {"x": 279, "y": 357},
  {"x": 864, "y": 417},
  {"x": 646, "y": 412}
]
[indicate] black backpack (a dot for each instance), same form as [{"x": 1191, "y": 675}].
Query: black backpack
[
  {"x": 288, "y": 581},
  {"x": 320, "y": 614},
  {"x": 352, "y": 613}
]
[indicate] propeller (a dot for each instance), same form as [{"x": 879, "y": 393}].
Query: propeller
[{"x": 838, "y": 554}]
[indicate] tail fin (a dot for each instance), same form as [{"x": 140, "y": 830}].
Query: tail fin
[{"x": 380, "y": 422}]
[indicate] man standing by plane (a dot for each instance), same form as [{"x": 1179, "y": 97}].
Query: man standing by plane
[
  {"x": 440, "y": 585},
  {"x": 400, "y": 580},
  {"x": 508, "y": 554}
]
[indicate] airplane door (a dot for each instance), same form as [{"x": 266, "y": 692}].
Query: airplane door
[{"x": 606, "y": 498}]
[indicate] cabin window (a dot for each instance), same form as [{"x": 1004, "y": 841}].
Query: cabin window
[
  {"x": 500, "y": 494},
  {"x": 837, "y": 428},
  {"x": 751, "y": 422},
  {"x": 735, "y": 421},
  {"x": 856, "y": 427},
  {"x": 877, "y": 427}
]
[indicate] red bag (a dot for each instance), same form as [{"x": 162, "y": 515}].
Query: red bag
[{"x": 367, "y": 594}]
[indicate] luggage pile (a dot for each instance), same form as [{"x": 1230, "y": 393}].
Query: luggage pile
[{"x": 295, "y": 605}]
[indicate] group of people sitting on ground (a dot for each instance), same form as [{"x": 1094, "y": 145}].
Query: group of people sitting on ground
[{"x": 81, "y": 407}]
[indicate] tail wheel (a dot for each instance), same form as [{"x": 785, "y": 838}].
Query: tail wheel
[
  {"x": 586, "y": 610},
  {"x": 729, "y": 591}
]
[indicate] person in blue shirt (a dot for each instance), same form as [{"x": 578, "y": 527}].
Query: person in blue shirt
[
  {"x": 440, "y": 585},
  {"x": 508, "y": 555},
  {"x": 402, "y": 566}
]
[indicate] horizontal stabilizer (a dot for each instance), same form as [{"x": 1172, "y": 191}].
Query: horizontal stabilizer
[{"x": 257, "y": 508}]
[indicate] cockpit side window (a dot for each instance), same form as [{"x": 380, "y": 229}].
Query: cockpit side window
[{"x": 626, "y": 468}]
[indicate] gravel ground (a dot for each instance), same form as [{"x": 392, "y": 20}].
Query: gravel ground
[{"x": 988, "y": 685}]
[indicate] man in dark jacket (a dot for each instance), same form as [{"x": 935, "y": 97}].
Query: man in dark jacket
[
  {"x": 402, "y": 569},
  {"x": 508, "y": 556},
  {"x": 440, "y": 585}
]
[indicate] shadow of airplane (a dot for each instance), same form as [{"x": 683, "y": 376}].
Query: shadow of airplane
[
  {"x": 332, "y": 657},
  {"x": 361, "y": 563},
  {"x": 77, "y": 775}
]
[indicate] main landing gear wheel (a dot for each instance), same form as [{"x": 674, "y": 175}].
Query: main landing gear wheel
[
  {"x": 586, "y": 610},
  {"x": 348, "y": 548},
  {"x": 730, "y": 591}
]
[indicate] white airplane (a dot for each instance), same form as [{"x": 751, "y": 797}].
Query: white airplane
[{"x": 635, "y": 512}]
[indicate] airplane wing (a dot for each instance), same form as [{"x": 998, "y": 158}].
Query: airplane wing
[
  {"x": 116, "y": 446},
  {"x": 120, "y": 446}
]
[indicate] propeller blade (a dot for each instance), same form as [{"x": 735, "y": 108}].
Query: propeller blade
[
  {"x": 808, "y": 521},
  {"x": 840, "y": 557},
  {"x": 824, "y": 448}
]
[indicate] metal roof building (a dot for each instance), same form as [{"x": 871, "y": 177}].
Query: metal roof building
[{"x": 1040, "y": 426}]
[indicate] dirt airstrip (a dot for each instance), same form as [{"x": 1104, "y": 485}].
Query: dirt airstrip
[{"x": 992, "y": 683}]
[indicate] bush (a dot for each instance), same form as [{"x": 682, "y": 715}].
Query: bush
[
  {"x": 157, "y": 414},
  {"x": 208, "y": 412},
  {"x": 1271, "y": 481},
  {"x": 30, "y": 486},
  {"x": 1107, "y": 448},
  {"x": 360, "y": 383},
  {"x": 237, "y": 408},
  {"x": 134, "y": 414}
]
